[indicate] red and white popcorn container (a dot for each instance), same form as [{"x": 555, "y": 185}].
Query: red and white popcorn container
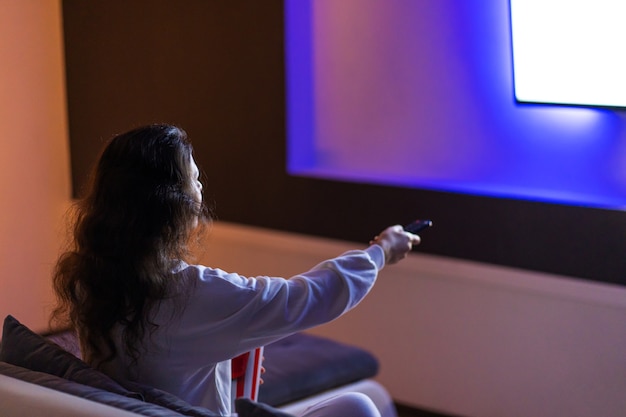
[{"x": 246, "y": 374}]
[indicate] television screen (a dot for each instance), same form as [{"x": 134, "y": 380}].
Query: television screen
[{"x": 569, "y": 52}]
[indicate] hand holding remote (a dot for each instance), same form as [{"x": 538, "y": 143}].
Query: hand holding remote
[{"x": 396, "y": 242}]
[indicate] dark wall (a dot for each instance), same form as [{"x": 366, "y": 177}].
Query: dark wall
[{"x": 216, "y": 68}]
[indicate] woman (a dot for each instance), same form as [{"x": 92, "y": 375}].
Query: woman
[{"x": 143, "y": 313}]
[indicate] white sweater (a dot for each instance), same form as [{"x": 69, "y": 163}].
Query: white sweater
[{"x": 227, "y": 314}]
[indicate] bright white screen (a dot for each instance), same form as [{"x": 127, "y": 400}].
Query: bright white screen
[{"x": 570, "y": 51}]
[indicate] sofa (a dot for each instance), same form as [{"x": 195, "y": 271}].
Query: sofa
[{"x": 44, "y": 376}]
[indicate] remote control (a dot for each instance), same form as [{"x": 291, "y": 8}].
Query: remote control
[{"x": 417, "y": 226}]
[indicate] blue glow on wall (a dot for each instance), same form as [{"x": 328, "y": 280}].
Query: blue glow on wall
[{"x": 420, "y": 94}]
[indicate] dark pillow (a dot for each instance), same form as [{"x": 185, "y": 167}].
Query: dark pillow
[
  {"x": 87, "y": 392},
  {"x": 249, "y": 408},
  {"x": 22, "y": 347},
  {"x": 303, "y": 365}
]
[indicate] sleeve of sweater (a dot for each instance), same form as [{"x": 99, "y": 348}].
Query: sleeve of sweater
[{"x": 244, "y": 313}]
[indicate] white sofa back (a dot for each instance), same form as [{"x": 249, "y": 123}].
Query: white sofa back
[{"x": 19, "y": 398}]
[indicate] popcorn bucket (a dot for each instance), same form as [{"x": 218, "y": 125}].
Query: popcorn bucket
[{"x": 246, "y": 374}]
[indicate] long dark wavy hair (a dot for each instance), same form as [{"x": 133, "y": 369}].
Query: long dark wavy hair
[{"x": 130, "y": 230}]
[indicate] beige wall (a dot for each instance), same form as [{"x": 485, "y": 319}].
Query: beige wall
[{"x": 34, "y": 161}]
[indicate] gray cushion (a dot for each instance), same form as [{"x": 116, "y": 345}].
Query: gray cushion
[{"x": 303, "y": 365}]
